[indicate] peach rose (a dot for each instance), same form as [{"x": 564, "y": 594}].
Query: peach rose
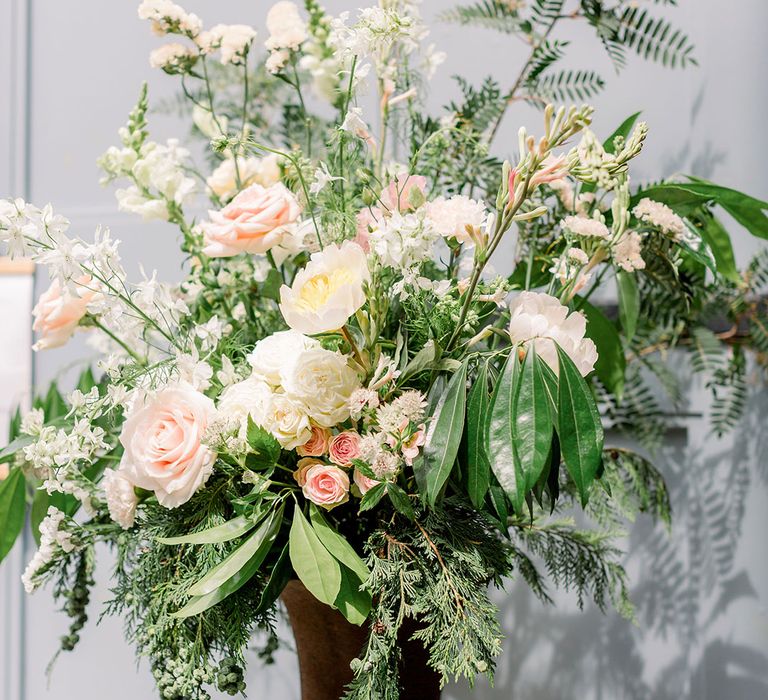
[
  {"x": 162, "y": 442},
  {"x": 399, "y": 194},
  {"x": 326, "y": 486},
  {"x": 317, "y": 445},
  {"x": 344, "y": 447},
  {"x": 58, "y": 312},
  {"x": 253, "y": 222},
  {"x": 363, "y": 482},
  {"x": 302, "y": 467}
]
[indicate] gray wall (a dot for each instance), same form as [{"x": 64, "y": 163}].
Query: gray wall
[{"x": 71, "y": 71}]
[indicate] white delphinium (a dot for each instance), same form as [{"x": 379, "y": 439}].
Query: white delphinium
[
  {"x": 121, "y": 498},
  {"x": 587, "y": 227},
  {"x": 322, "y": 178},
  {"x": 227, "y": 375},
  {"x": 433, "y": 59},
  {"x": 660, "y": 216},
  {"x": 194, "y": 371},
  {"x": 287, "y": 32},
  {"x": 169, "y": 18},
  {"x": 541, "y": 319},
  {"x": 54, "y": 540},
  {"x": 160, "y": 171},
  {"x": 403, "y": 241},
  {"x": 233, "y": 41},
  {"x": 627, "y": 252},
  {"x": 458, "y": 217}
]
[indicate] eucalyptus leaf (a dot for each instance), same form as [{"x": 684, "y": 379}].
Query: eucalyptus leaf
[
  {"x": 336, "y": 544},
  {"x": 316, "y": 568},
  {"x": 579, "y": 428},
  {"x": 443, "y": 437},
  {"x": 12, "y": 509},
  {"x": 478, "y": 464},
  {"x": 255, "y": 548}
]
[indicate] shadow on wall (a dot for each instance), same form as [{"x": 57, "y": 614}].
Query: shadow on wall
[{"x": 701, "y": 629}]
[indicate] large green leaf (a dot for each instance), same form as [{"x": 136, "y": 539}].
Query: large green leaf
[
  {"x": 54, "y": 405},
  {"x": 336, "y": 544},
  {"x": 352, "y": 602},
  {"x": 316, "y": 568},
  {"x": 255, "y": 548},
  {"x": 501, "y": 441},
  {"x": 281, "y": 574},
  {"x": 230, "y": 530},
  {"x": 629, "y": 303},
  {"x": 443, "y": 436},
  {"x": 611, "y": 363},
  {"x": 713, "y": 233},
  {"x": 478, "y": 464},
  {"x": 421, "y": 360},
  {"x": 262, "y": 444},
  {"x": 748, "y": 211},
  {"x": 12, "y": 507},
  {"x": 624, "y": 130},
  {"x": 578, "y": 426},
  {"x": 531, "y": 421}
]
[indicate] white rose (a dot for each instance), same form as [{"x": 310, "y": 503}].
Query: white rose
[
  {"x": 287, "y": 420},
  {"x": 324, "y": 382},
  {"x": 162, "y": 439},
  {"x": 121, "y": 498},
  {"x": 543, "y": 320},
  {"x": 250, "y": 397},
  {"x": 271, "y": 355},
  {"x": 327, "y": 291}
]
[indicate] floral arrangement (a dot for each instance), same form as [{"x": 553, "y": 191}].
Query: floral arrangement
[{"x": 382, "y": 373}]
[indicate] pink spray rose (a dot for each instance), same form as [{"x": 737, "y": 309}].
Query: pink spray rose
[
  {"x": 317, "y": 445},
  {"x": 399, "y": 194},
  {"x": 344, "y": 447},
  {"x": 163, "y": 448},
  {"x": 253, "y": 222},
  {"x": 363, "y": 482},
  {"x": 326, "y": 485},
  {"x": 58, "y": 312}
]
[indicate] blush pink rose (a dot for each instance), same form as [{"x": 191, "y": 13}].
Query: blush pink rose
[
  {"x": 58, "y": 313},
  {"x": 397, "y": 195},
  {"x": 363, "y": 482},
  {"x": 366, "y": 217},
  {"x": 317, "y": 445},
  {"x": 344, "y": 447},
  {"x": 302, "y": 467},
  {"x": 326, "y": 486},
  {"x": 253, "y": 222},
  {"x": 162, "y": 439}
]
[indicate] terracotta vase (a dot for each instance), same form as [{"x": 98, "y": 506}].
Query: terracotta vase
[{"x": 326, "y": 644}]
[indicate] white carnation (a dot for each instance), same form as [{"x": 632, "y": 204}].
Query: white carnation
[
  {"x": 121, "y": 498},
  {"x": 543, "y": 320},
  {"x": 453, "y": 217}
]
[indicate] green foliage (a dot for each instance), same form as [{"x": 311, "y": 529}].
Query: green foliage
[{"x": 12, "y": 509}]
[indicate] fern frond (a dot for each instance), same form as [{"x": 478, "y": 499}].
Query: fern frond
[
  {"x": 568, "y": 86},
  {"x": 654, "y": 38},
  {"x": 485, "y": 13},
  {"x": 545, "y": 12}
]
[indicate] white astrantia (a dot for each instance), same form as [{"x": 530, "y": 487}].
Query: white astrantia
[
  {"x": 627, "y": 252},
  {"x": 457, "y": 217},
  {"x": 586, "y": 227},
  {"x": 232, "y": 40},
  {"x": 355, "y": 124},
  {"x": 121, "y": 498},
  {"x": 54, "y": 540},
  {"x": 660, "y": 216},
  {"x": 327, "y": 291},
  {"x": 403, "y": 241},
  {"x": 541, "y": 319}
]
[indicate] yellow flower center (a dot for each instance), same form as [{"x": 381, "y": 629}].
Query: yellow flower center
[{"x": 316, "y": 291}]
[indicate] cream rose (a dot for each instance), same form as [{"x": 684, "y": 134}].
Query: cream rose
[
  {"x": 262, "y": 171},
  {"x": 271, "y": 355},
  {"x": 253, "y": 222},
  {"x": 121, "y": 498},
  {"x": 317, "y": 445},
  {"x": 323, "y": 382},
  {"x": 363, "y": 482},
  {"x": 327, "y": 291},
  {"x": 287, "y": 420},
  {"x": 58, "y": 313},
  {"x": 162, "y": 442},
  {"x": 250, "y": 397},
  {"x": 326, "y": 486},
  {"x": 543, "y": 320},
  {"x": 343, "y": 448}
]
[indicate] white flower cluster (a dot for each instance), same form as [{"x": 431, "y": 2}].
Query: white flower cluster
[
  {"x": 403, "y": 241},
  {"x": 54, "y": 539},
  {"x": 232, "y": 40},
  {"x": 287, "y": 32},
  {"x": 661, "y": 216},
  {"x": 568, "y": 267},
  {"x": 169, "y": 18},
  {"x": 627, "y": 252},
  {"x": 173, "y": 58},
  {"x": 295, "y": 384},
  {"x": 588, "y": 227},
  {"x": 541, "y": 319},
  {"x": 458, "y": 217}
]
